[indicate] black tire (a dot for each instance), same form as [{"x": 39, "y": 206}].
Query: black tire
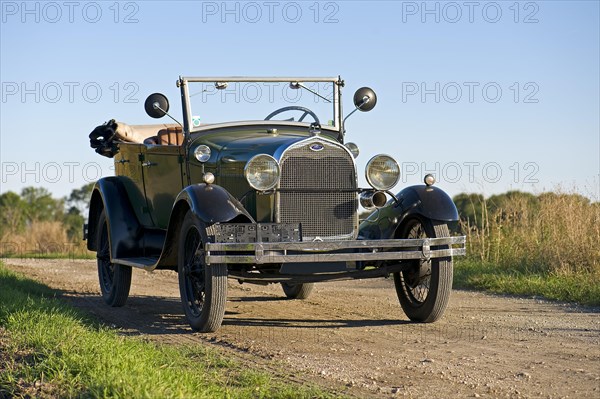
[
  {"x": 297, "y": 291},
  {"x": 424, "y": 289},
  {"x": 115, "y": 280},
  {"x": 203, "y": 288}
]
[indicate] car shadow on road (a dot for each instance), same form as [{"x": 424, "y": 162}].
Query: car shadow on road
[
  {"x": 313, "y": 323},
  {"x": 140, "y": 315},
  {"x": 257, "y": 298},
  {"x": 163, "y": 315}
]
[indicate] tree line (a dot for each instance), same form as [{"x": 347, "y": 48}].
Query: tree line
[
  {"x": 18, "y": 212},
  {"x": 36, "y": 204}
]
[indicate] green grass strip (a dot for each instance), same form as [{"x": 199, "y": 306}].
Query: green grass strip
[
  {"x": 49, "y": 255},
  {"x": 48, "y": 349},
  {"x": 583, "y": 288}
]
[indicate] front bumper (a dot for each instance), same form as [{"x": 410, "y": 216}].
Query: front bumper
[{"x": 279, "y": 243}]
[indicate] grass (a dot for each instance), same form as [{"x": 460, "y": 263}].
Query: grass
[
  {"x": 50, "y": 255},
  {"x": 545, "y": 245},
  {"x": 582, "y": 288},
  {"x": 48, "y": 349}
]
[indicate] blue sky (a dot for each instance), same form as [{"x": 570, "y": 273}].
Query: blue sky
[{"x": 489, "y": 96}]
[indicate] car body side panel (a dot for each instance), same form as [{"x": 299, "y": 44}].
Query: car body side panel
[
  {"x": 162, "y": 170},
  {"x": 428, "y": 202},
  {"x": 129, "y": 167}
]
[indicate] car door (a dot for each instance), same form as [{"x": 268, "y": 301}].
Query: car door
[
  {"x": 129, "y": 170},
  {"x": 162, "y": 167}
]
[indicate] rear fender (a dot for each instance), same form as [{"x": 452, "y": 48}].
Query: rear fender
[
  {"x": 427, "y": 202},
  {"x": 125, "y": 232}
]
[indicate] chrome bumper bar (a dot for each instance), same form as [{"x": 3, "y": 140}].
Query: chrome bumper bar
[{"x": 333, "y": 251}]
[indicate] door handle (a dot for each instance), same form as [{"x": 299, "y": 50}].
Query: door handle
[{"x": 149, "y": 164}]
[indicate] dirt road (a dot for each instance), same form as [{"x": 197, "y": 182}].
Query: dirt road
[{"x": 353, "y": 337}]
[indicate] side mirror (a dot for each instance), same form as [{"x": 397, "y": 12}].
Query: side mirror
[
  {"x": 156, "y": 105},
  {"x": 365, "y": 99}
]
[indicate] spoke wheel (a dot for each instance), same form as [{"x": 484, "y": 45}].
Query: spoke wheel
[
  {"x": 297, "y": 291},
  {"x": 203, "y": 288},
  {"x": 424, "y": 288},
  {"x": 115, "y": 280}
]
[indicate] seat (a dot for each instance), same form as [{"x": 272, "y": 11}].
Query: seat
[
  {"x": 161, "y": 134},
  {"x": 170, "y": 136}
]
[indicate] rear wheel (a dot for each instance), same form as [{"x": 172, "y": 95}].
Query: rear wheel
[
  {"x": 424, "y": 288},
  {"x": 203, "y": 288},
  {"x": 297, "y": 291},
  {"x": 115, "y": 280}
]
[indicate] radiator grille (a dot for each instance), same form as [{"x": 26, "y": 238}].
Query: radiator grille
[{"x": 317, "y": 190}]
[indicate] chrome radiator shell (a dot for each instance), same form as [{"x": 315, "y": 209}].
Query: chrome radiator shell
[{"x": 318, "y": 189}]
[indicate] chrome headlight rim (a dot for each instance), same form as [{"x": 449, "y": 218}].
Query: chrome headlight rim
[
  {"x": 247, "y": 172},
  {"x": 376, "y": 184},
  {"x": 202, "y": 153}
]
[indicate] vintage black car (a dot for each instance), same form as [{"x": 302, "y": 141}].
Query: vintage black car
[{"x": 270, "y": 199}]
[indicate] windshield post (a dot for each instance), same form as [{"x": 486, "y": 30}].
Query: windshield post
[
  {"x": 337, "y": 107},
  {"x": 185, "y": 104}
]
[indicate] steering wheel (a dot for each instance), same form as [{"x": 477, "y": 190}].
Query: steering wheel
[{"x": 295, "y": 108}]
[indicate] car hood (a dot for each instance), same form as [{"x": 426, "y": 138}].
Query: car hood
[{"x": 238, "y": 146}]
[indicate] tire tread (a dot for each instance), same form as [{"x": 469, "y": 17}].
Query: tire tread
[{"x": 434, "y": 306}]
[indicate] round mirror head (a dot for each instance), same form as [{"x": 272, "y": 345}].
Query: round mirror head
[
  {"x": 156, "y": 105},
  {"x": 365, "y": 99}
]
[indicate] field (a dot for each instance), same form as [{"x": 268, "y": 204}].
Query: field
[{"x": 545, "y": 245}]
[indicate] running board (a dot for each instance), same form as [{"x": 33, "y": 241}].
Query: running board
[{"x": 145, "y": 262}]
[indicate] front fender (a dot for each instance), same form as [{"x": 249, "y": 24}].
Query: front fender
[
  {"x": 428, "y": 202},
  {"x": 212, "y": 203}
]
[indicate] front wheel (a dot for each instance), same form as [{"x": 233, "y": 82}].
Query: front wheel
[
  {"x": 297, "y": 291},
  {"x": 203, "y": 288},
  {"x": 424, "y": 288}
]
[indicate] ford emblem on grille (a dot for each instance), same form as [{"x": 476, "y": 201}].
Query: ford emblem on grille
[{"x": 317, "y": 147}]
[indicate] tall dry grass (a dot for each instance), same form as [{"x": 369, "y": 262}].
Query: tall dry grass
[
  {"x": 41, "y": 238},
  {"x": 552, "y": 233}
]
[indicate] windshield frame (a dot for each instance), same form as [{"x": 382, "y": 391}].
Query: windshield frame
[{"x": 182, "y": 83}]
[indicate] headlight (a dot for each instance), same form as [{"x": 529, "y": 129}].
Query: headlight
[
  {"x": 382, "y": 172},
  {"x": 202, "y": 153},
  {"x": 262, "y": 172}
]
